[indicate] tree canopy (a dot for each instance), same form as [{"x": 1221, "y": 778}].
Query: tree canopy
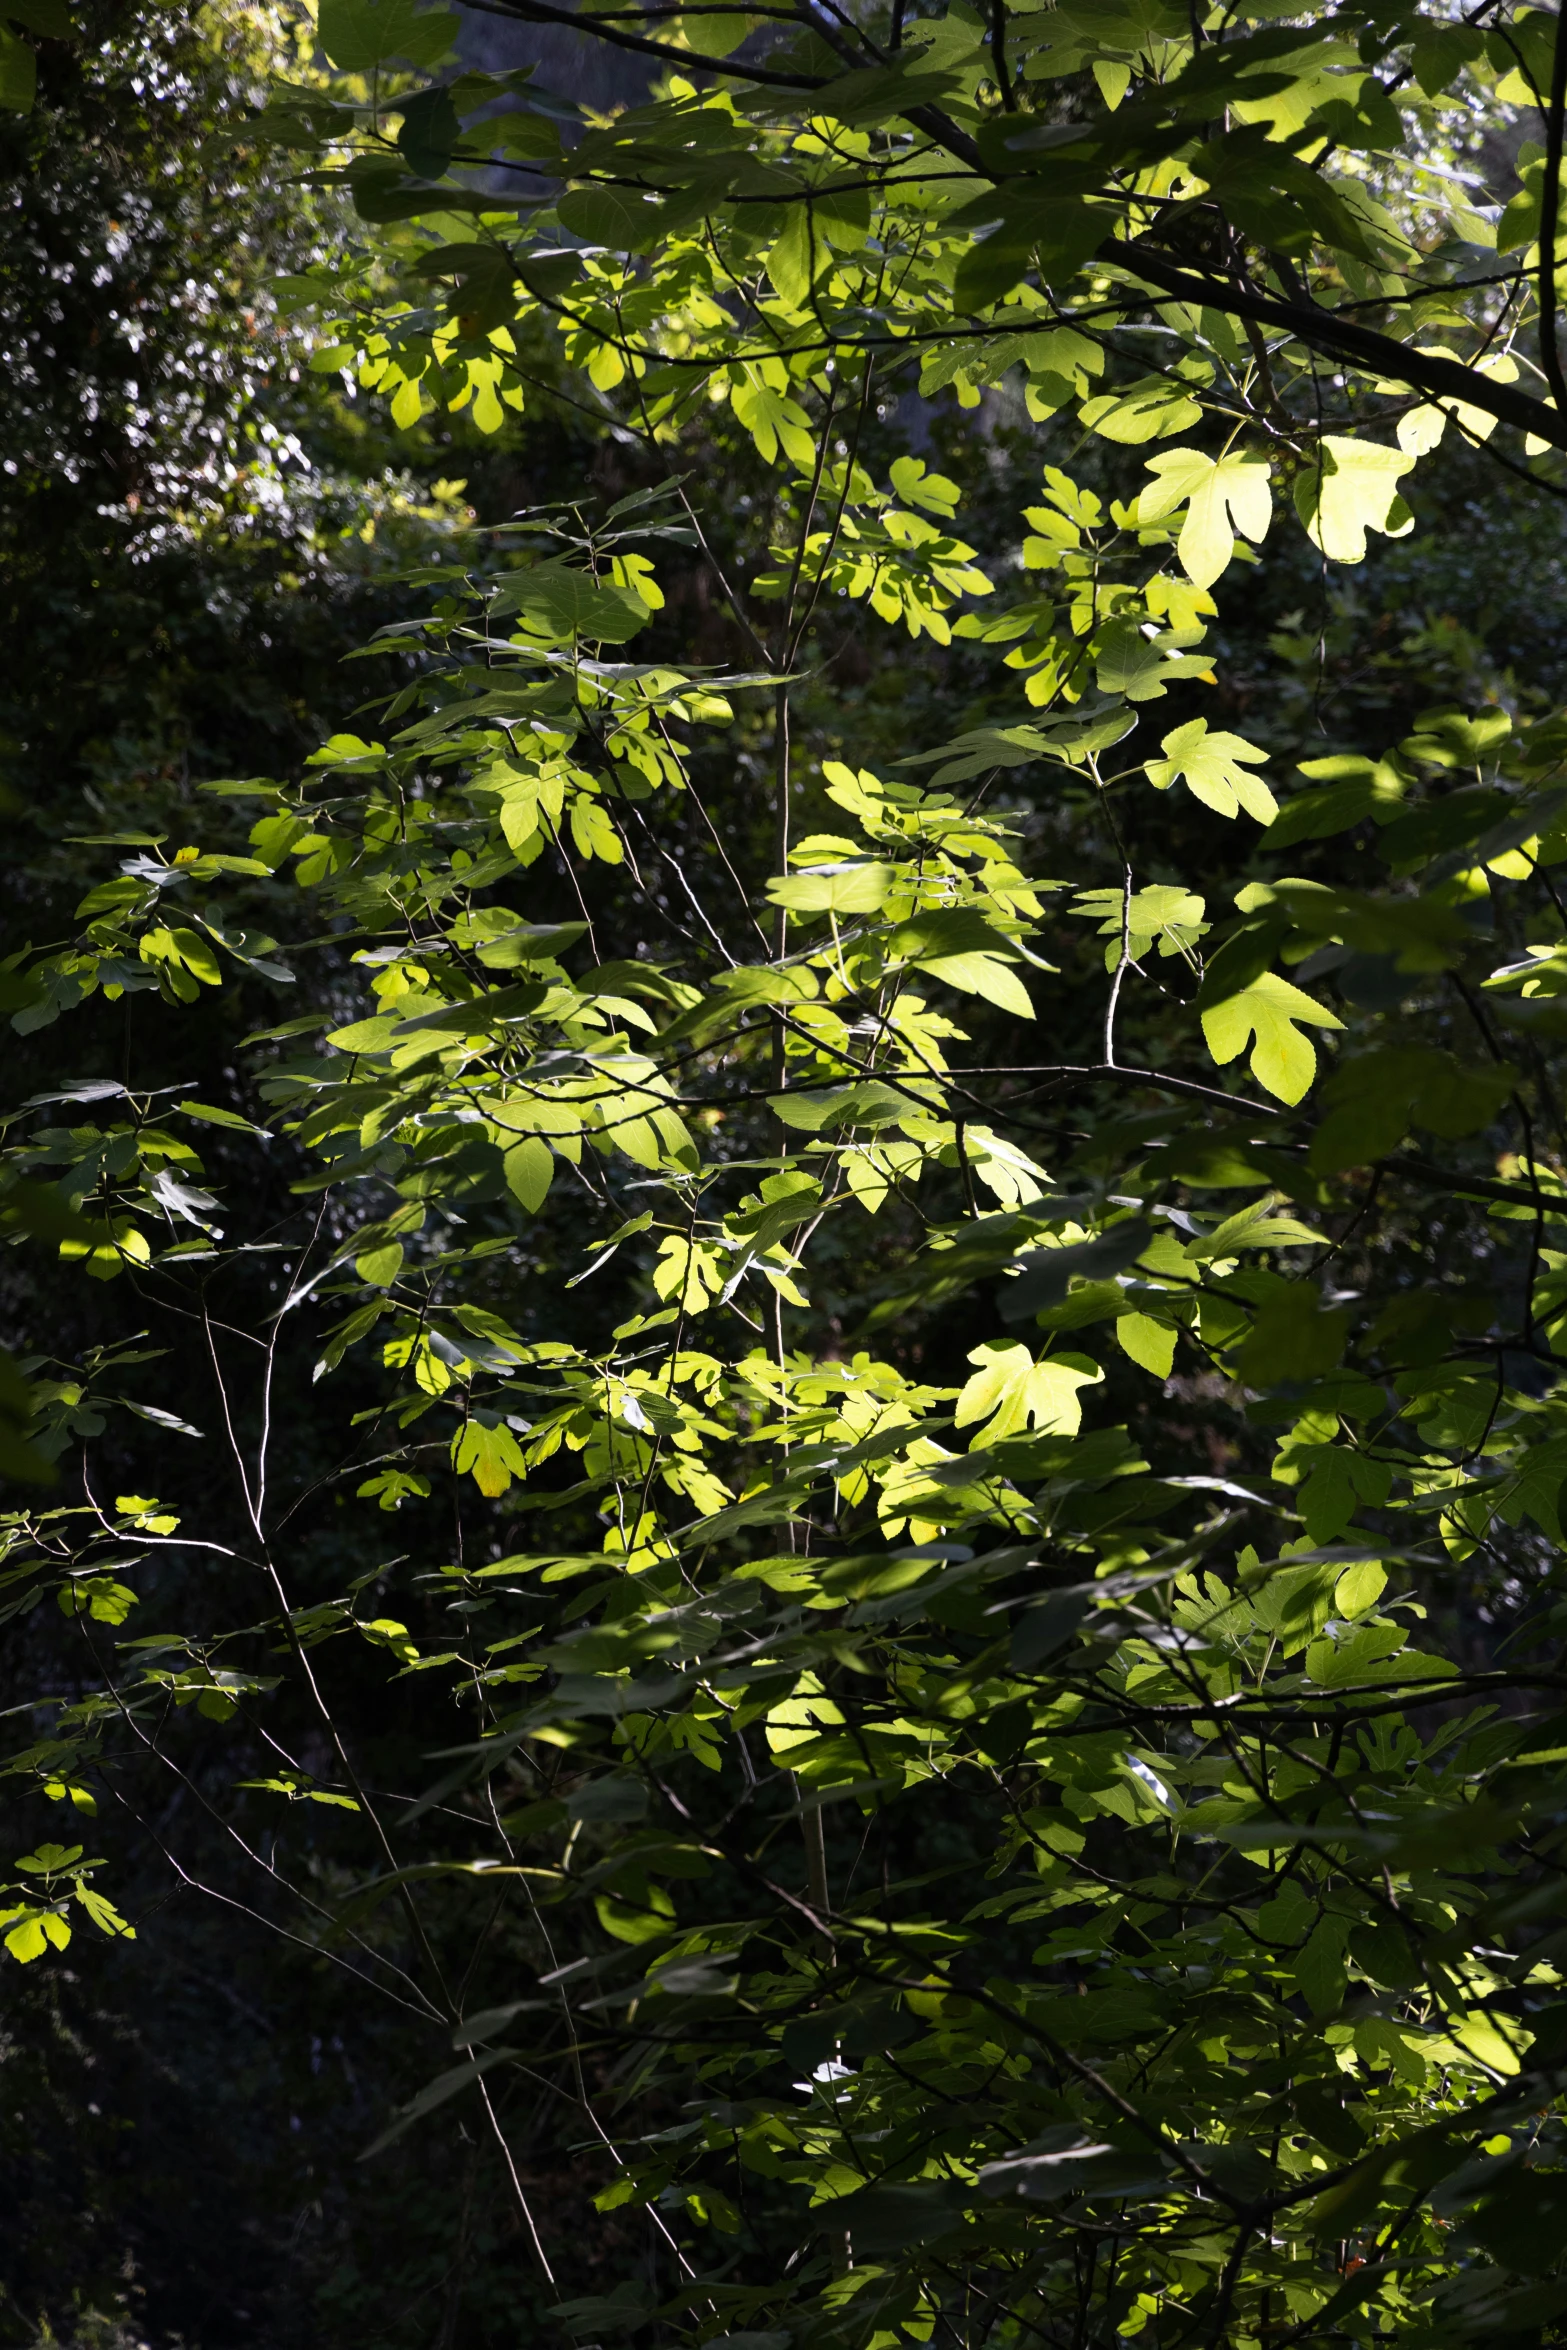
[{"x": 827, "y": 1453}]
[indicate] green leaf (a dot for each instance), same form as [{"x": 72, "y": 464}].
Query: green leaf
[
  {"x": 1059, "y": 234},
  {"x": 1222, "y": 495},
  {"x": 437, "y": 2093},
  {"x": 562, "y": 601},
  {"x": 1172, "y": 916},
  {"x": 1293, "y": 1337},
  {"x": 1320, "y": 1971},
  {"x": 1213, "y": 767},
  {"x": 1352, "y": 488},
  {"x": 1283, "y": 1060},
  {"x": 1273, "y": 196},
  {"x": 1294, "y": 1603},
  {"x": 1440, "y": 52},
  {"x": 1044, "y": 1275},
  {"x": 1145, "y": 412},
  {"x": 881, "y": 2221},
  {"x": 1128, "y": 663},
  {"x": 1354, "y": 1656},
  {"x": 51, "y": 19},
  {"x": 1373, "y": 1099},
  {"x": 1457, "y": 820},
  {"x": 617, "y": 217},
  {"x": 717, "y": 35},
  {"x": 103, "y": 1913},
  {"x": 1138, "y": 1805},
  {"x": 773, "y": 421},
  {"x": 491, "y": 1456},
  {"x": 380, "y": 1266},
  {"x": 795, "y": 256},
  {"x": 26, "y": 1941},
  {"x": 429, "y": 133},
  {"x": 1359, "y": 1588},
  {"x": 958, "y": 930},
  {"x": 1336, "y": 1482},
  {"x": 645, "y": 1915},
  {"x": 983, "y": 975},
  {"x": 365, "y": 1036},
  {"x": 1347, "y": 789},
  {"x": 530, "y": 1166},
  {"x": 1521, "y": 2221},
  {"x": 622, "y": 2311},
  {"x": 1150, "y": 1344},
  {"x": 358, "y": 35},
  {"x": 837, "y": 889},
  {"x": 216, "y": 1117},
  {"x": 19, "y": 1455},
  {"x": 49, "y": 1859},
  {"x": 917, "y": 78},
  {"x": 18, "y": 88},
  {"x": 1043, "y": 1630},
  {"x": 1009, "y": 1389},
  {"x": 484, "y": 277}
]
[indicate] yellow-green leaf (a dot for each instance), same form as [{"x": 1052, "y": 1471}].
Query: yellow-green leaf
[
  {"x": 1210, "y": 763},
  {"x": 774, "y": 422},
  {"x": 1222, "y": 495},
  {"x": 380, "y": 1266},
  {"x": 794, "y": 257},
  {"x": 1150, "y": 1344},
  {"x": 1283, "y": 1060},
  {"x": 837, "y": 889},
  {"x": 640, "y": 1918},
  {"x": 1146, "y": 412},
  {"x": 365, "y": 1036},
  {"x": 983, "y": 975},
  {"x": 713, "y": 36},
  {"x": 1484, "y": 2039},
  {"x": 1359, "y": 1588},
  {"x": 529, "y": 1166},
  {"x": 1009, "y": 1389},
  {"x": 490, "y": 1456},
  {"x": 104, "y": 1915},
  {"x": 1352, "y": 489}
]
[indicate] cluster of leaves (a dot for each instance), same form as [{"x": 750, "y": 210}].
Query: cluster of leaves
[
  {"x": 194, "y": 530},
  {"x": 1210, "y": 1989}
]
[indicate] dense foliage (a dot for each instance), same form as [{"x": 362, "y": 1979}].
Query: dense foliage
[{"x": 827, "y": 1453}]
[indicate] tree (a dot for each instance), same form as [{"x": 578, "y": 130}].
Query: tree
[
  {"x": 185, "y": 565},
  {"x": 965, "y": 1871}
]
